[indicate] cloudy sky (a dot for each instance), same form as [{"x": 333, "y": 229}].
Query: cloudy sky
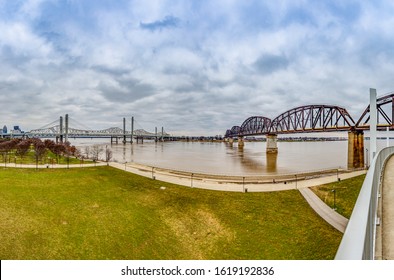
[{"x": 194, "y": 67}]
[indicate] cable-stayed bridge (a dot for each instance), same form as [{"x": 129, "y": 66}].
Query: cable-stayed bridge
[{"x": 70, "y": 128}]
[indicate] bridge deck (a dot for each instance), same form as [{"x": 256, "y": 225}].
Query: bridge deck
[{"x": 387, "y": 216}]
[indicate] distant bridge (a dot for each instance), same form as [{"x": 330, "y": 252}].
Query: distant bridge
[
  {"x": 62, "y": 131},
  {"x": 56, "y": 131}
]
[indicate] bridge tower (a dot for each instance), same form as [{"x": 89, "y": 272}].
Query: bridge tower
[
  {"x": 155, "y": 133},
  {"x": 60, "y": 136},
  {"x": 124, "y": 130},
  {"x": 132, "y": 130},
  {"x": 66, "y": 128}
]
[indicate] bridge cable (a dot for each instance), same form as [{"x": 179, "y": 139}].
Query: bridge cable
[
  {"x": 54, "y": 123},
  {"x": 84, "y": 127}
]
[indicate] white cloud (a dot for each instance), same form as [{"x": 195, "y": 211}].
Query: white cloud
[{"x": 192, "y": 64}]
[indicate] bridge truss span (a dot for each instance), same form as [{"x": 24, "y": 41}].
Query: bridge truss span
[
  {"x": 385, "y": 115},
  {"x": 312, "y": 118},
  {"x": 255, "y": 125},
  {"x": 233, "y": 132}
]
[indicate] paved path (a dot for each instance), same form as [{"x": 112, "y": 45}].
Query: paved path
[
  {"x": 387, "y": 218},
  {"x": 328, "y": 214},
  {"x": 225, "y": 185}
]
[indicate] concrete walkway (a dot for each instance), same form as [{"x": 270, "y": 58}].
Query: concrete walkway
[
  {"x": 222, "y": 184},
  {"x": 387, "y": 218},
  {"x": 323, "y": 210}
]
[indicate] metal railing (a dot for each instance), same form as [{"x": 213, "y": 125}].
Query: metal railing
[{"x": 358, "y": 242}]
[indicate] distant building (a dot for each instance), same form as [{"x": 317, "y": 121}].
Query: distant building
[
  {"x": 5, "y": 129},
  {"x": 16, "y": 130}
]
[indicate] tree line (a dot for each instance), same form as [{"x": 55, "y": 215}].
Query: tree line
[{"x": 40, "y": 148}]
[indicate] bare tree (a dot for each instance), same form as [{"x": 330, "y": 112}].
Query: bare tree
[
  {"x": 96, "y": 151},
  {"x": 108, "y": 154},
  {"x": 87, "y": 151}
]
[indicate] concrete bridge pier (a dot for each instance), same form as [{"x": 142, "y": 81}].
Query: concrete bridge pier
[
  {"x": 272, "y": 145},
  {"x": 355, "y": 157},
  {"x": 241, "y": 142},
  {"x": 231, "y": 141}
]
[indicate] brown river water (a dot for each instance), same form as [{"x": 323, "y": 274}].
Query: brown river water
[{"x": 223, "y": 159}]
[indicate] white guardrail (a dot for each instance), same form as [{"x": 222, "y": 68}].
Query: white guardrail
[{"x": 358, "y": 241}]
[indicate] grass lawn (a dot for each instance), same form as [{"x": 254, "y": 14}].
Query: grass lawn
[
  {"x": 346, "y": 193},
  {"x": 105, "y": 213}
]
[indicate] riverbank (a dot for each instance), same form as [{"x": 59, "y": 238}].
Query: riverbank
[{"x": 218, "y": 182}]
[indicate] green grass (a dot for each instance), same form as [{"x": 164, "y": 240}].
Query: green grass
[
  {"x": 105, "y": 213},
  {"x": 346, "y": 193}
]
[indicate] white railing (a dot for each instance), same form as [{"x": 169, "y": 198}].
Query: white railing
[{"x": 358, "y": 242}]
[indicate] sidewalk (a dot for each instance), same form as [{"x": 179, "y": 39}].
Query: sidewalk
[
  {"x": 225, "y": 185},
  {"x": 328, "y": 214}
]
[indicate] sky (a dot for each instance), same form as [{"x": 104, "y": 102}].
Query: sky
[{"x": 192, "y": 67}]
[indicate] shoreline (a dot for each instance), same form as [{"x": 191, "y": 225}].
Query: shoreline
[{"x": 239, "y": 183}]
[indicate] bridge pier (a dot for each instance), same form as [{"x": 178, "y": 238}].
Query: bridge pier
[
  {"x": 272, "y": 145},
  {"x": 355, "y": 157},
  {"x": 241, "y": 142},
  {"x": 231, "y": 141}
]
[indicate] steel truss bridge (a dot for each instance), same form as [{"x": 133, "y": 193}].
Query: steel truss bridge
[{"x": 316, "y": 118}]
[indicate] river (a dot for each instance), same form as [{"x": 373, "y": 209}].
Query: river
[{"x": 225, "y": 159}]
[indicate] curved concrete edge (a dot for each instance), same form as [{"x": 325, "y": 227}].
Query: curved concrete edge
[
  {"x": 223, "y": 185},
  {"x": 323, "y": 210}
]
